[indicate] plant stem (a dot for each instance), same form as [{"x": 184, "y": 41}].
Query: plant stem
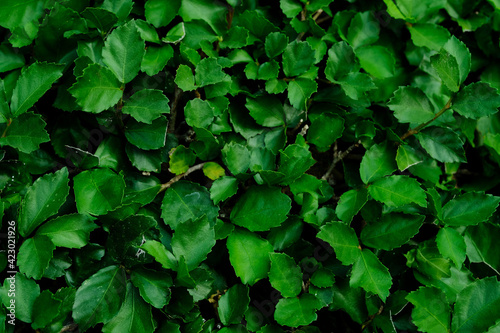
[
  {"x": 421, "y": 126},
  {"x": 179, "y": 177},
  {"x": 337, "y": 158},
  {"x": 173, "y": 110},
  {"x": 7, "y": 127}
]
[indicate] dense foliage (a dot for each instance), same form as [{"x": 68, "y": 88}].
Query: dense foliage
[{"x": 250, "y": 166}]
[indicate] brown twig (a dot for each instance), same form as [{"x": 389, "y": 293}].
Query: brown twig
[
  {"x": 317, "y": 14},
  {"x": 9, "y": 121},
  {"x": 173, "y": 109},
  {"x": 421, "y": 126},
  {"x": 337, "y": 158},
  {"x": 370, "y": 319},
  {"x": 179, "y": 177}
]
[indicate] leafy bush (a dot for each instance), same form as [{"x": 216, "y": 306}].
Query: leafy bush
[{"x": 246, "y": 166}]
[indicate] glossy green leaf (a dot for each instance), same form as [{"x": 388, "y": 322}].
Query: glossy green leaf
[
  {"x": 34, "y": 256},
  {"x": 295, "y": 160},
  {"x": 126, "y": 235},
  {"x": 213, "y": 170},
  {"x": 344, "y": 241},
  {"x": 47, "y": 308},
  {"x": 391, "y": 231},
  {"x": 185, "y": 201},
  {"x": 97, "y": 89},
  {"x": 208, "y": 71},
  {"x": 446, "y": 66},
  {"x": 442, "y": 144},
  {"x": 147, "y": 137},
  {"x": 371, "y": 275},
  {"x": 17, "y": 13},
  {"x": 377, "y": 162},
  {"x": 275, "y": 44},
  {"x": 411, "y": 105},
  {"x": 477, "y": 306},
  {"x": 70, "y": 231},
  {"x": 355, "y": 85},
  {"x": 350, "y": 204},
  {"x": 297, "y": 311},
  {"x": 180, "y": 159},
  {"x": 123, "y": 52},
  {"x": 32, "y": 85},
  {"x": 154, "y": 286},
  {"x": 156, "y": 58},
  {"x": 249, "y": 255},
  {"x": 161, "y": 13},
  {"x": 43, "y": 199},
  {"x": 158, "y": 251},
  {"x": 100, "y": 297},
  {"x": 193, "y": 239},
  {"x": 298, "y": 57},
  {"x": 184, "y": 78},
  {"x": 233, "y": 304},
  {"x": 461, "y": 53},
  {"x": 325, "y": 129},
  {"x": 430, "y": 35},
  {"x": 427, "y": 260},
  {"x": 397, "y": 191},
  {"x": 430, "y": 316},
  {"x": 477, "y": 100},
  {"x": 147, "y": 105},
  {"x": 236, "y": 157},
  {"x": 341, "y": 61},
  {"x": 482, "y": 246},
  {"x": 199, "y": 113},
  {"x": 261, "y": 208},
  {"x": 223, "y": 188},
  {"x": 469, "y": 209},
  {"x": 121, "y": 8},
  {"x": 377, "y": 61},
  {"x": 26, "y": 292},
  {"x": 407, "y": 157},
  {"x": 98, "y": 191},
  {"x": 266, "y": 110},
  {"x": 363, "y": 30},
  {"x": 284, "y": 275},
  {"x": 25, "y": 133},
  {"x": 451, "y": 245}
]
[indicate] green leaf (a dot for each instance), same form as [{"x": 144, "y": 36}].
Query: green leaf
[
  {"x": 290, "y": 8},
  {"x": 26, "y": 293},
  {"x": 98, "y": 191},
  {"x": 46, "y": 308},
  {"x": 99, "y": 18},
  {"x": 208, "y": 71},
  {"x": 285, "y": 276},
  {"x": 363, "y": 30},
  {"x": 407, "y": 157},
  {"x": 233, "y": 304},
  {"x": 153, "y": 286},
  {"x": 146, "y": 105},
  {"x": 158, "y": 251},
  {"x": 350, "y": 204},
  {"x": 261, "y": 208},
  {"x": 25, "y": 133},
  {"x": 199, "y": 113},
  {"x": 477, "y": 100},
  {"x": 121, "y": 8},
  {"x": 193, "y": 240},
  {"x": 144, "y": 160},
  {"x": 371, "y": 275},
  {"x": 34, "y": 256},
  {"x": 236, "y": 157},
  {"x": 411, "y": 105},
  {"x": 16, "y": 13},
  {"x": 396, "y": 191},
  {"x": 477, "y": 306},
  {"x": 451, "y": 245},
  {"x": 249, "y": 255},
  {"x": 355, "y": 85},
  {"x": 297, "y": 311},
  {"x": 427, "y": 260},
  {"x": 343, "y": 239},
  {"x": 391, "y": 231},
  {"x": 213, "y": 14},
  {"x": 160, "y": 13},
  {"x": 430, "y": 35},
  {"x": 97, "y": 89},
  {"x": 442, "y": 144},
  {"x": 43, "y": 199},
  {"x": 446, "y": 66},
  {"x": 32, "y": 85},
  {"x": 377, "y": 61},
  {"x": 70, "y": 231},
  {"x": 325, "y": 129},
  {"x": 180, "y": 159},
  {"x": 482, "y": 246},
  {"x": 341, "y": 61},
  {"x": 134, "y": 316},
  {"x": 127, "y": 234},
  {"x": 156, "y": 58},
  {"x": 469, "y": 209},
  {"x": 298, "y": 57},
  {"x": 266, "y": 110},
  {"x": 185, "y": 201},
  {"x": 275, "y": 44},
  {"x": 431, "y": 312},
  {"x": 123, "y": 52},
  {"x": 184, "y": 78},
  {"x": 461, "y": 53},
  {"x": 300, "y": 91},
  {"x": 223, "y": 188},
  {"x": 377, "y": 162},
  {"x": 295, "y": 160},
  {"x": 147, "y": 137},
  {"x": 100, "y": 297}
]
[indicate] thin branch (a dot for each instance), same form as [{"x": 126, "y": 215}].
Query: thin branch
[
  {"x": 7, "y": 127},
  {"x": 419, "y": 127},
  {"x": 337, "y": 158},
  {"x": 179, "y": 177},
  {"x": 317, "y": 14},
  {"x": 173, "y": 109},
  {"x": 370, "y": 319}
]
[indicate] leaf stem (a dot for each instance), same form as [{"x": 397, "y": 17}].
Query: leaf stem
[
  {"x": 179, "y": 177},
  {"x": 173, "y": 109},
  {"x": 7, "y": 127},
  {"x": 337, "y": 158},
  {"x": 421, "y": 126}
]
